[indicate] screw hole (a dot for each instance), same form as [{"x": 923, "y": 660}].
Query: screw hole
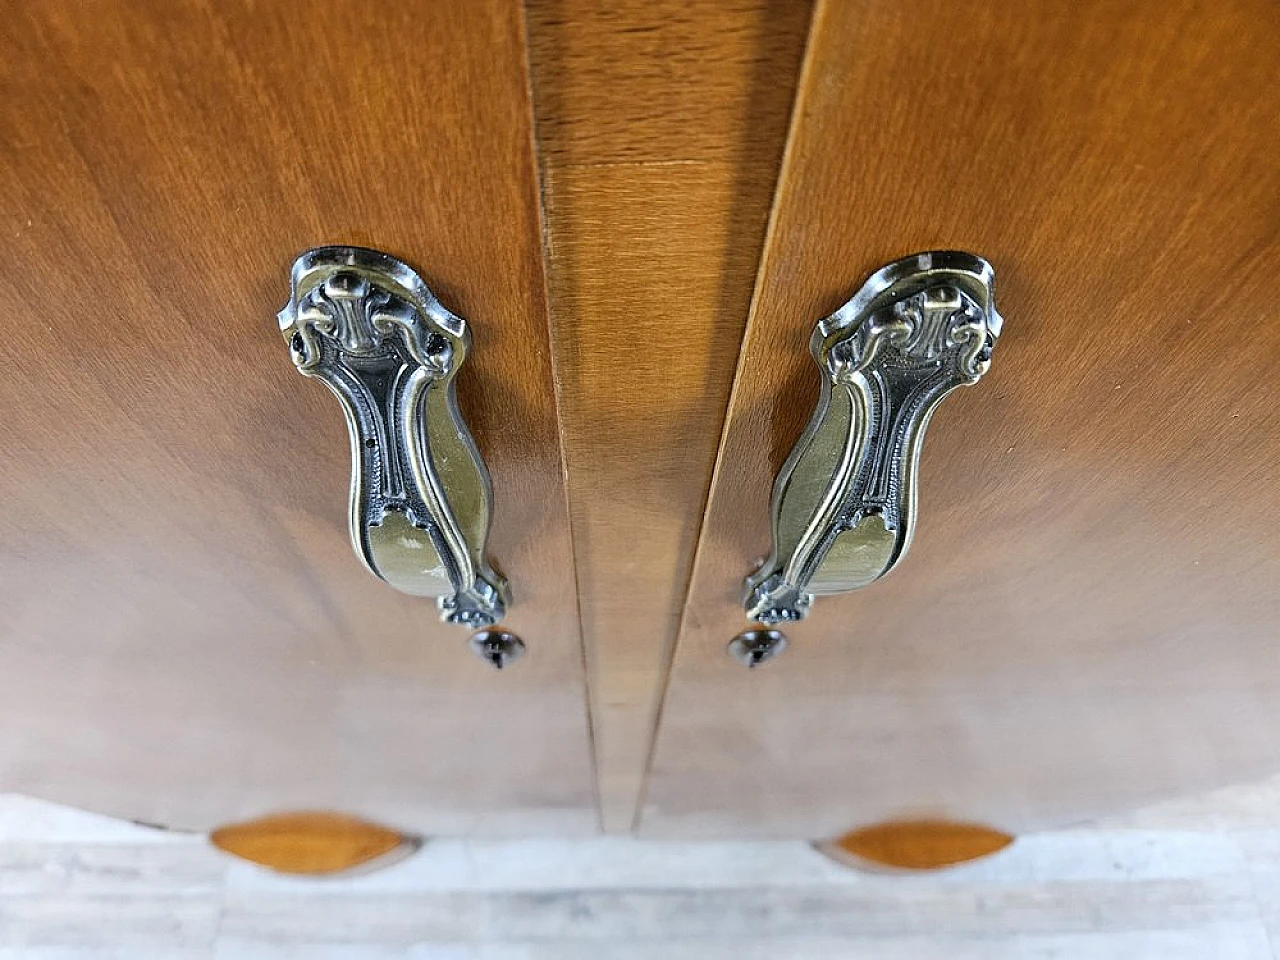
[{"x": 371, "y": 443}]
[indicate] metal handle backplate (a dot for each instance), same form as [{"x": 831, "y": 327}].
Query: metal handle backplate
[
  {"x": 365, "y": 324},
  {"x": 844, "y": 504}
]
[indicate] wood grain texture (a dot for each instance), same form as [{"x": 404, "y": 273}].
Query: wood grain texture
[
  {"x": 312, "y": 842},
  {"x": 1088, "y": 615},
  {"x": 660, "y": 126},
  {"x": 188, "y": 637},
  {"x": 915, "y": 844}
]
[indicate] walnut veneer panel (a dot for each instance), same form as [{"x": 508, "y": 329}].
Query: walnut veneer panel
[
  {"x": 1089, "y": 615},
  {"x": 188, "y": 637},
  {"x": 661, "y": 126}
]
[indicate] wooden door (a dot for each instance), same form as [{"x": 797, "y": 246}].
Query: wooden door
[
  {"x": 660, "y": 129},
  {"x": 188, "y": 638},
  {"x": 1089, "y": 613}
]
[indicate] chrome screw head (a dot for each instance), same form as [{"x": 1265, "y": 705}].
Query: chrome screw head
[
  {"x": 756, "y": 647},
  {"x": 497, "y": 647}
]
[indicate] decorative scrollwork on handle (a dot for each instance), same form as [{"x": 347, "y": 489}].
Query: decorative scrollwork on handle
[
  {"x": 844, "y": 504},
  {"x": 365, "y": 324}
]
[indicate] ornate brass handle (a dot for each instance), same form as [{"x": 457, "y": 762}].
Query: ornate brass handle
[
  {"x": 365, "y": 324},
  {"x": 844, "y": 504}
]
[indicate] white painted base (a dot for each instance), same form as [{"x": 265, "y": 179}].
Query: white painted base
[{"x": 1182, "y": 881}]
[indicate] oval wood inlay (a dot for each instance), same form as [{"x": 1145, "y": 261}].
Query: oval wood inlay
[
  {"x": 310, "y": 842},
  {"x": 917, "y": 844}
]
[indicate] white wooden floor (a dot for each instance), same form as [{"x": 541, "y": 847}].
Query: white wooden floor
[{"x": 1192, "y": 880}]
